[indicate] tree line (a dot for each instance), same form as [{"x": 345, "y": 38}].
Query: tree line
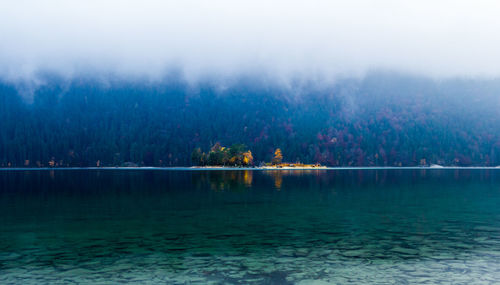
[{"x": 382, "y": 119}]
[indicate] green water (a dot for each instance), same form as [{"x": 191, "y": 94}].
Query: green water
[{"x": 250, "y": 227}]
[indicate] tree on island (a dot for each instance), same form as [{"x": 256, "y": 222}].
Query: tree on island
[
  {"x": 247, "y": 158},
  {"x": 278, "y": 157},
  {"x": 198, "y": 157}
]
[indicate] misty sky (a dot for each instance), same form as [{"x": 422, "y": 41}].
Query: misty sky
[{"x": 227, "y": 37}]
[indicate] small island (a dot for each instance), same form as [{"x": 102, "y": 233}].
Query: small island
[
  {"x": 238, "y": 155},
  {"x": 219, "y": 156}
]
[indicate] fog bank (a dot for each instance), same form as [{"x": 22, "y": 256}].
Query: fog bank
[{"x": 280, "y": 39}]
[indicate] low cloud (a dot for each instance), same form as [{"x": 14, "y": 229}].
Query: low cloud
[{"x": 283, "y": 39}]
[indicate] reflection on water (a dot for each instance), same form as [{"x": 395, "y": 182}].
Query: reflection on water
[
  {"x": 220, "y": 181},
  {"x": 238, "y": 181},
  {"x": 277, "y": 175},
  {"x": 357, "y": 226}
]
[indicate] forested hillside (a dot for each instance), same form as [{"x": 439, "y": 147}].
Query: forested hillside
[{"x": 384, "y": 119}]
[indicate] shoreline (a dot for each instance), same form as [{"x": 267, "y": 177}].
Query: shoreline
[{"x": 187, "y": 168}]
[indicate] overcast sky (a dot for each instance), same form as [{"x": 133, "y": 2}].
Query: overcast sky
[{"x": 228, "y": 37}]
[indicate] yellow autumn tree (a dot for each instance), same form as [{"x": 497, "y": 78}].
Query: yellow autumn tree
[
  {"x": 247, "y": 158},
  {"x": 278, "y": 157}
]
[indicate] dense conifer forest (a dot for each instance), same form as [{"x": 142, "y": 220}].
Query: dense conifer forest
[{"x": 382, "y": 119}]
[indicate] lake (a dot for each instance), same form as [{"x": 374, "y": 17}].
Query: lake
[{"x": 397, "y": 226}]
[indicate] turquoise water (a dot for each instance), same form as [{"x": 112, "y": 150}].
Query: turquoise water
[{"x": 250, "y": 227}]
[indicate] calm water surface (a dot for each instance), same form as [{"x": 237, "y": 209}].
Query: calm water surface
[{"x": 250, "y": 227}]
